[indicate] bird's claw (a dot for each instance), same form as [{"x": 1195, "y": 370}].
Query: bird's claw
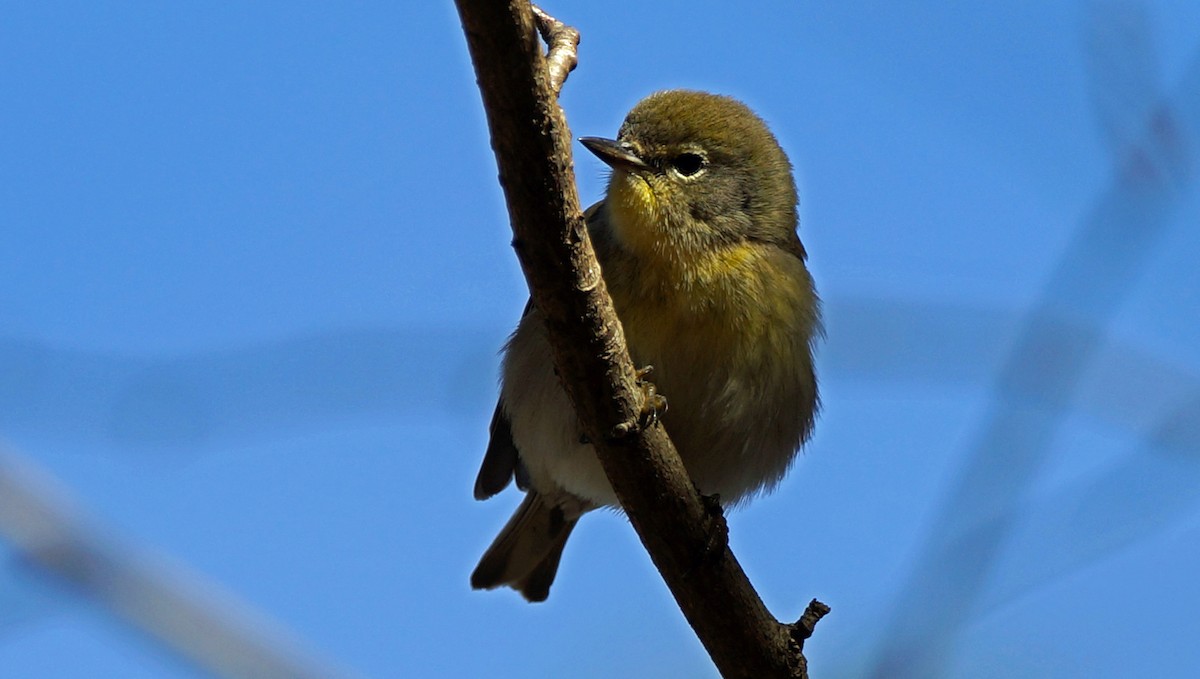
[
  {"x": 654, "y": 404},
  {"x": 718, "y": 534}
]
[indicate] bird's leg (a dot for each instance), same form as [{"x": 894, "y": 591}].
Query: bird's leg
[
  {"x": 718, "y": 533},
  {"x": 654, "y": 404}
]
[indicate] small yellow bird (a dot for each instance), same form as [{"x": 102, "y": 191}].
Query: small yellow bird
[{"x": 696, "y": 238}]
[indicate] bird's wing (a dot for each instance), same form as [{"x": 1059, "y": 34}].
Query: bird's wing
[
  {"x": 502, "y": 461},
  {"x": 793, "y": 246}
]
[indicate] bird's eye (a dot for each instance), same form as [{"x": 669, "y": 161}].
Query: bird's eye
[{"x": 688, "y": 164}]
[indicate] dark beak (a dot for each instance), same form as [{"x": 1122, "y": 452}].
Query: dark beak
[{"x": 618, "y": 155}]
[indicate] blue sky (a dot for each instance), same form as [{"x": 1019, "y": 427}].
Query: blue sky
[{"x": 254, "y": 272}]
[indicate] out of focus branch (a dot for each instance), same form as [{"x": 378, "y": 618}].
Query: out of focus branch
[
  {"x": 686, "y": 538},
  {"x": 1152, "y": 138},
  {"x": 204, "y": 625}
]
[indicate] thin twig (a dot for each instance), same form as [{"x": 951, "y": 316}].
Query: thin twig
[
  {"x": 562, "y": 42},
  {"x": 803, "y": 628}
]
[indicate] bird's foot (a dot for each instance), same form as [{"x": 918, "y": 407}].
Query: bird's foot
[
  {"x": 718, "y": 533},
  {"x": 654, "y": 404}
]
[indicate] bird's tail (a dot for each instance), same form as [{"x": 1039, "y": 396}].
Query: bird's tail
[{"x": 525, "y": 554}]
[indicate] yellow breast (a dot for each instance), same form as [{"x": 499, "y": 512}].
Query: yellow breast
[{"x": 727, "y": 301}]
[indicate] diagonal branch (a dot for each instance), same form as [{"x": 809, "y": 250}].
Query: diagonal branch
[
  {"x": 686, "y": 537},
  {"x": 184, "y": 614}
]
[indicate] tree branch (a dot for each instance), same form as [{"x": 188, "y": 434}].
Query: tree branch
[
  {"x": 563, "y": 41},
  {"x": 686, "y": 537}
]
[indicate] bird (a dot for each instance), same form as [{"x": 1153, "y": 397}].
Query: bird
[{"x": 697, "y": 242}]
